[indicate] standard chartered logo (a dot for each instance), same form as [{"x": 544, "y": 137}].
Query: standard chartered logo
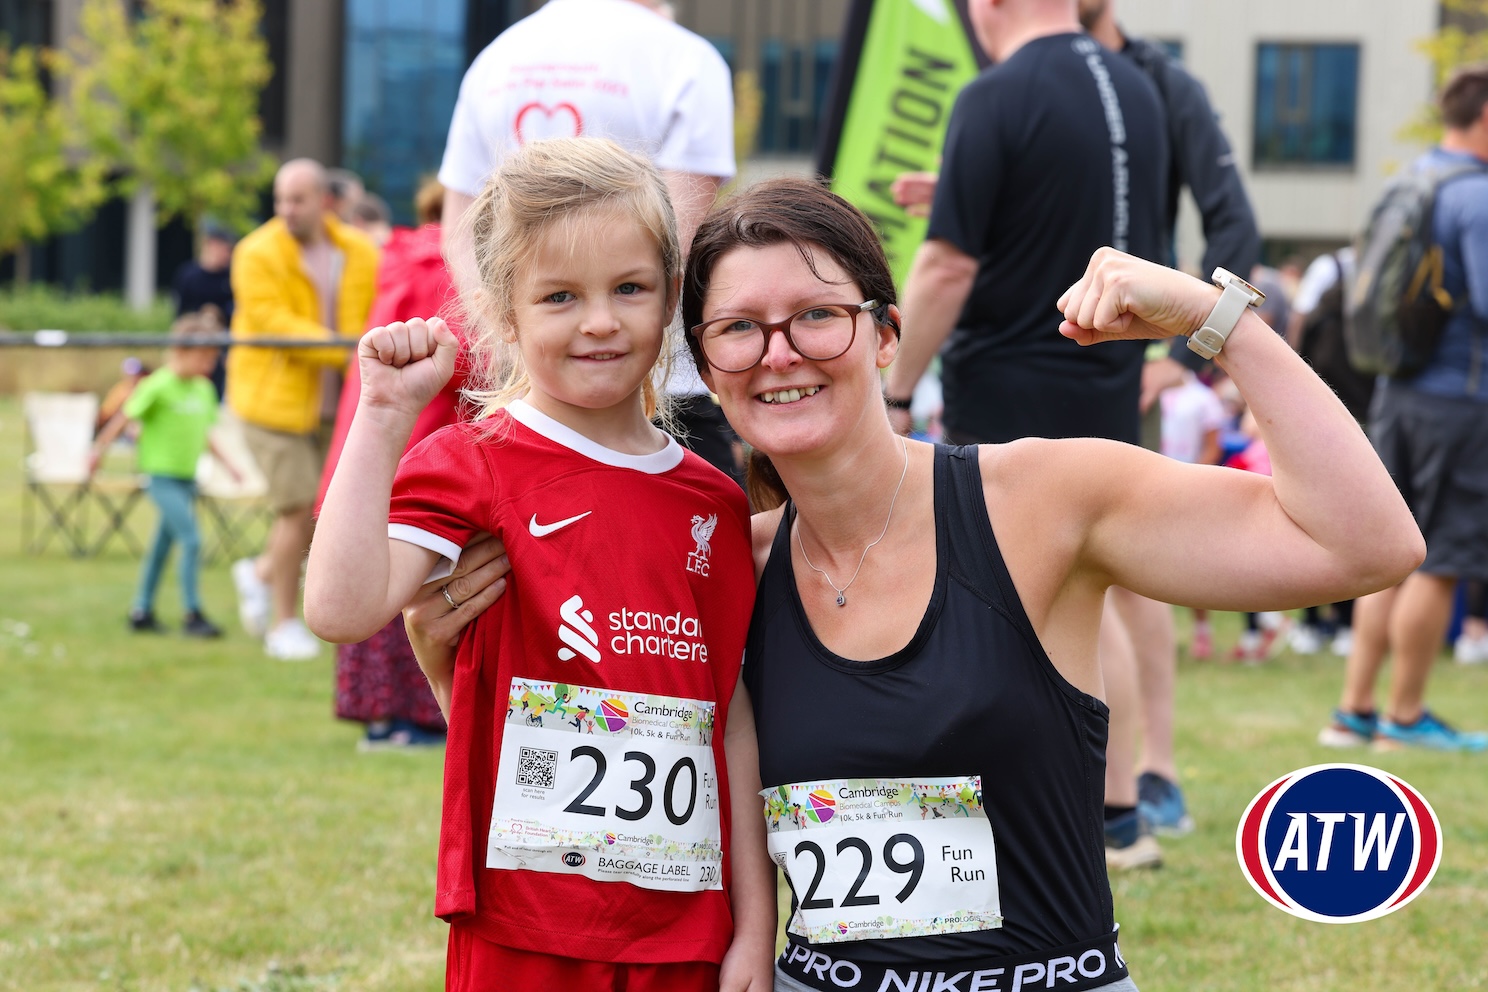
[
  {"x": 575, "y": 631},
  {"x": 675, "y": 636}
]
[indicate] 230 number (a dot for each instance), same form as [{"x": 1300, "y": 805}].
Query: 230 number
[{"x": 640, "y": 786}]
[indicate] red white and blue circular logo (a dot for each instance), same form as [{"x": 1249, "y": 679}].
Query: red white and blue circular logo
[{"x": 1339, "y": 843}]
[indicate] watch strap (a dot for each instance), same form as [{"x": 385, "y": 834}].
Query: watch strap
[{"x": 1211, "y": 336}]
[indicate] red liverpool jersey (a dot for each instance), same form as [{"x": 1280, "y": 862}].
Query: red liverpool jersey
[{"x": 585, "y": 791}]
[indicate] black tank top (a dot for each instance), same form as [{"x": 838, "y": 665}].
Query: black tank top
[{"x": 973, "y": 693}]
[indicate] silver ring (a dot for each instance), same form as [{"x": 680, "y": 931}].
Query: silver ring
[{"x": 444, "y": 591}]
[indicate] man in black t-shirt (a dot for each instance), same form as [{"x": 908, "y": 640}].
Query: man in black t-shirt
[
  {"x": 208, "y": 280},
  {"x": 1057, "y": 149}
]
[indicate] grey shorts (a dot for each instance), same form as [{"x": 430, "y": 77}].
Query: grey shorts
[
  {"x": 1436, "y": 450},
  {"x": 785, "y": 983}
]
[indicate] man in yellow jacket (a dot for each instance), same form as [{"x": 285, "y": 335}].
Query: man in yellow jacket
[{"x": 307, "y": 276}]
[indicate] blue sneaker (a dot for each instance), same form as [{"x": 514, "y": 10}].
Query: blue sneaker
[
  {"x": 384, "y": 735},
  {"x": 1161, "y": 804},
  {"x": 1428, "y": 732},
  {"x": 1349, "y": 729},
  {"x": 1130, "y": 845}
]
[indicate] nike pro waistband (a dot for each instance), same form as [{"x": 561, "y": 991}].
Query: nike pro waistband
[{"x": 1088, "y": 964}]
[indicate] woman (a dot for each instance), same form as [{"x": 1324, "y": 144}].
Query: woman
[
  {"x": 922, "y": 657},
  {"x": 378, "y": 681}
]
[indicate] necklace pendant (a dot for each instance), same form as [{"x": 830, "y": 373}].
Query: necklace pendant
[{"x": 842, "y": 599}]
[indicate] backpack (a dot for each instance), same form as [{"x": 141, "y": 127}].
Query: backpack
[
  {"x": 1323, "y": 345},
  {"x": 1395, "y": 308}
]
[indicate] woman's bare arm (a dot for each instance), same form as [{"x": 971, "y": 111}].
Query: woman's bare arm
[{"x": 1327, "y": 525}]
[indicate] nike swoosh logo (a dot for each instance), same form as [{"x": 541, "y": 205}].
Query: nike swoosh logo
[{"x": 543, "y": 530}]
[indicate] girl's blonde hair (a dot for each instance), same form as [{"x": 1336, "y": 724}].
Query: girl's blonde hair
[{"x": 542, "y": 184}]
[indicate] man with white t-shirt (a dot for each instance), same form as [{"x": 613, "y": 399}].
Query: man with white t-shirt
[
  {"x": 617, "y": 69},
  {"x": 1322, "y": 274}
]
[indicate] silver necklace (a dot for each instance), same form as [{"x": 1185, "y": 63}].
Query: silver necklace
[{"x": 842, "y": 590}]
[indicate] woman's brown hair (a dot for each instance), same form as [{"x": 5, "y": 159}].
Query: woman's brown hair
[{"x": 799, "y": 212}]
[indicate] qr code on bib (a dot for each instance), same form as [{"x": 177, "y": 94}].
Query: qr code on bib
[{"x": 536, "y": 767}]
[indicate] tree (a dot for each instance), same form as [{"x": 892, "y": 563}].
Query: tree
[
  {"x": 46, "y": 188},
  {"x": 1462, "y": 40},
  {"x": 170, "y": 98}
]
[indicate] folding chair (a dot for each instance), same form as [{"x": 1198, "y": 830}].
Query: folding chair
[
  {"x": 235, "y": 514},
  {"x": 59, "y": 431}
]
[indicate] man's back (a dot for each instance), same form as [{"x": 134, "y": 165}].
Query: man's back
[
  {"x": 1460, "y": 225},
  {"x": 600, "y": 68},
  {"x": 1051, "y": 154}
]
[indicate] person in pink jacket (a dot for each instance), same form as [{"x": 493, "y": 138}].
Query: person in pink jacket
[{"x": 378, "y": 681}]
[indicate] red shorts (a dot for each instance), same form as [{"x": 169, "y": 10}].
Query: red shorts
[{"x": 476, "y": 965}]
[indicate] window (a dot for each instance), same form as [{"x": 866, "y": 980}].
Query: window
[
  {"x": 25, "y": 22},
  {"x": 793, "y": 79},
  {"x": 272, "y": 99},
  {"x": 404, "y": 61},
  {"x": 1307, "y": 99}
]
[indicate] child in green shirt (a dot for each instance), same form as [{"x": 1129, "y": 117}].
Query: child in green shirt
[{"x": 175, "y": 407}]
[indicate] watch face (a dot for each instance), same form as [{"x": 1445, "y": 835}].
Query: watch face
[{"x": 1224, "y": 277}]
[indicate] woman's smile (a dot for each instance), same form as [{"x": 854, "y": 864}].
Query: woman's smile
[{"x": 792, "y": 394}]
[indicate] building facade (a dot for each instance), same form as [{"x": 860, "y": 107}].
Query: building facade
[{"x": 1315, "y": 98}]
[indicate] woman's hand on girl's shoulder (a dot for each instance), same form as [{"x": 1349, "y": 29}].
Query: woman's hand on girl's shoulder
[
  {"x": 1121, "y": 297},
  {"x": 404, "y": 365}
]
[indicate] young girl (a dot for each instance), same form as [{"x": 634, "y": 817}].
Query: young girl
[
  {"x": 175, "y": 408},
  {"x": 587, "y": 833},
  {"x": 1192, "y": 418}
]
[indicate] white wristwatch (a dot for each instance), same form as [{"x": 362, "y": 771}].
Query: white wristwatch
[{"x": 1238, "y": 294}]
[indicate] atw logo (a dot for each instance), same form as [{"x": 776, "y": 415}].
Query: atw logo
[
  {"x": 576, "y": 630},
  {"x": 1338, "y": 843}
]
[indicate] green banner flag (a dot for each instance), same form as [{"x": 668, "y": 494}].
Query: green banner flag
[{"x": 902, "y": 64}]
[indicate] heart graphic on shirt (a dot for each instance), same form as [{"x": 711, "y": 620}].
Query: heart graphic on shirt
[{"x": 538, "y": 120}]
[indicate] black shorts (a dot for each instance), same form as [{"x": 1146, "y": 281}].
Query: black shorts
[{"x": 1436, "y": 450}]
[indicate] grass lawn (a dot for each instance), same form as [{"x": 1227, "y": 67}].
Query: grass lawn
[{"x": 188, "y": 816}]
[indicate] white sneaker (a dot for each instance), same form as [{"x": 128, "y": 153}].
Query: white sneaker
[
  {"x": 1272, "y": 620},
  {"x": 253, "y": 597},
  {"x": 1470, "y": 650},
  {"x": 1343, "y": 642},
  {"x": 291, "y": 641},
  {"x": 1305, "y": 639}
]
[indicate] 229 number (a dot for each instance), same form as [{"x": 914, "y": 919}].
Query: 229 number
[
  {"x": 914, "y": 868},
  {"x": 640, "y": 786}
]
